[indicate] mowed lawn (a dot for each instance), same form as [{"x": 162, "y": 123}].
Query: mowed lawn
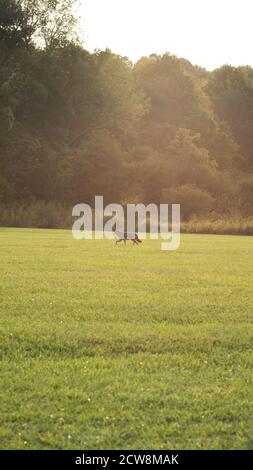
[{"x": 109, "y": 347}]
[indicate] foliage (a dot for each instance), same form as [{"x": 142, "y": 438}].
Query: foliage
[
  {"x": 75, "y": 124},
  {"x": 193, "y": 200},
  {"x": 231, "y": 91}
]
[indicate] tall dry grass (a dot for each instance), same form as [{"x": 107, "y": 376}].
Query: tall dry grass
[{"x": 51, "y": 215}]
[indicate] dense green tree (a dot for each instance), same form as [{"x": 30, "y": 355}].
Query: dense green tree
[
  {"x": 52, "y": 22},
  {"x": 176, "y": 98},
  {"x": 74, "y": 124},
  {"x": 231, "y": 91},
  {"x": 15, "y": 30}
]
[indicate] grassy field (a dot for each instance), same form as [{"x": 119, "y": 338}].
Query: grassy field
[{"x": 106, "y": 347}]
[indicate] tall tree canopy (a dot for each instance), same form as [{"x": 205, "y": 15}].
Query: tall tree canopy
[{"x": 75, "y": 124}]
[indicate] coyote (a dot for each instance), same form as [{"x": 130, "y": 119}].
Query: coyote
[{"x": 124, "y": 236}]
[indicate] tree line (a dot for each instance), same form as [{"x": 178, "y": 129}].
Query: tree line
[{"x": 75, "y": 124}]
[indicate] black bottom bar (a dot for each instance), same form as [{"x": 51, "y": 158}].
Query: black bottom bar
[{"x": 111, "y": 459}]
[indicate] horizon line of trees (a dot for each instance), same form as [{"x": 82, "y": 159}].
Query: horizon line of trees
[{"x": 75, "y": 124}]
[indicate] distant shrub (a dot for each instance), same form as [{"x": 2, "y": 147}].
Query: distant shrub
[
  {"x": 38, "y": 214},
  {"x": 193, "y": 200},
  {"x": 51, "y": 215}
]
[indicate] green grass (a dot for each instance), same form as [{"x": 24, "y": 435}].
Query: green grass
[{"x": 106, "y": 347}]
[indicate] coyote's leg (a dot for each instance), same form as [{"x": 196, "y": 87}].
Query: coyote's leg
[{"x": 118, "y": 241}]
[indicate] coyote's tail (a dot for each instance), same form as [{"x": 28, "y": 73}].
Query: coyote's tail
[{"x": 137, "y": 239}]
